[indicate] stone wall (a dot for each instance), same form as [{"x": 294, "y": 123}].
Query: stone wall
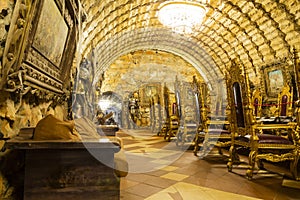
[
  {"x": 130, "y": 72},
  {"x": 14, "y": 116},
  {"x": 20, "y": 111},
  {"x": 16, "y": 112}
]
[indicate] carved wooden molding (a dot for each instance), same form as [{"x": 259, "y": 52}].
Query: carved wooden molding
[{"x": 40, "y": 48}]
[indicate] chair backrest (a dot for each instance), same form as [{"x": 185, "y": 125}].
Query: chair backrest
[
  {"x": 203, "y": 104},
  {"x": 257, "y": 103},
  {"x": 285, "y": 101},
  {"x": 169, "y": 107},
  {"x": 239, "y": 100},
  {"x": 186, "y": 99}
]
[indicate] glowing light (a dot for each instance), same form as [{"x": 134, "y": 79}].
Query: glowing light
[
  {"x": 104, "y": 104},
  {"x": 182, "y": 17}
]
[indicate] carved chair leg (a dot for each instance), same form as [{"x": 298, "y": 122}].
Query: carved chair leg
[
  {"x": 233, "y": 155},
  {"x": 197, "y": 143},
  {"x": 294, "y": 166},
  {"x": 206, "y": 145},
  {"x": 196, "y": 149},
  {"x": 231, "y": 158},
  {"x": 169, "y": 136},
  {"x": 166, "y": 134},
  {"x": 252, "y": 158}
]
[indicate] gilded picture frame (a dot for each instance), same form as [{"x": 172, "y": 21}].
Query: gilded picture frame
[
  {"x": 55, "y": 21},
  {"x": 274, "y": 77},
  {"x": 43, "y": 45}
]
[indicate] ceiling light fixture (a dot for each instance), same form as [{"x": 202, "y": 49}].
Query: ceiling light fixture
[{"x": 182, "y": 16}]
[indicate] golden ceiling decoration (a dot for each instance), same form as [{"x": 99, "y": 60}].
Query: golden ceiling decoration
[
  {"x": 181, "y": 16},
  {"x": 255, "y": 32}
]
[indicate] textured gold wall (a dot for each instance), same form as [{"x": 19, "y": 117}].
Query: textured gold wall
[
  {"x": 129, "y": 72},
  {"x": 253, "y": 32}
]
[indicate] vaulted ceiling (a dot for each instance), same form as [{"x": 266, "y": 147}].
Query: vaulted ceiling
[{"x": 255, "y": 32}]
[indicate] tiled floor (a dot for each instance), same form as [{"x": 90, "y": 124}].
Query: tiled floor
[{"x": 160, "y": 170}]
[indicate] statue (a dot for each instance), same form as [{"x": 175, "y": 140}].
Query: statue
[{"x": 82, "y": 98}]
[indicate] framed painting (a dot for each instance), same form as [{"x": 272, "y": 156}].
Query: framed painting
[
  {"x": 51, "y": 27},
  {"x": 275, "y": 81},
  {"x": 274, "y": 77},
  {"x": 39, "y": 54},
  {"x": 55, "y": 21}
]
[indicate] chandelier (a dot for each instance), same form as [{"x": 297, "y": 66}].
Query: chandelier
[{"x": 182, "y": 16}]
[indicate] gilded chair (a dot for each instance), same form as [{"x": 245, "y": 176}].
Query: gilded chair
[
  {"x": 214, "y": 131},
  {"x": 187, "y": 101},
  {"x": 248, "y": 134}
]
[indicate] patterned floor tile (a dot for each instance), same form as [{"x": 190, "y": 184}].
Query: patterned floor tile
[
  {"x": 162, "y": 170},
  {"x": 174, "y": 176},
  {"x": 182, "y": 191}
]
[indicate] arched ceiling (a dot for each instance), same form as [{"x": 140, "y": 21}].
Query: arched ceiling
[
  {"x": 134, "y": 70},
  {"x": 255, "y": 32}
]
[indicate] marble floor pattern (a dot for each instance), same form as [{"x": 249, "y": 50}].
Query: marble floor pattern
[{"x": 160, "y": 170}]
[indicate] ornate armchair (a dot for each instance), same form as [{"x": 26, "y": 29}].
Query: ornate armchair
[
  {"x": 248, "y": 134},
  {"x": 187, "y": 100},
  {"x": 212, "y": 131}
]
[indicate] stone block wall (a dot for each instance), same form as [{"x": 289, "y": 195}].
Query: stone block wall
[
  {"x": 16, "y": 113},
  {"x": 23, "y": 112}
]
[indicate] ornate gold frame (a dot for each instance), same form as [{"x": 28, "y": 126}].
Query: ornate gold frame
[
  {"x": 275, "y": 76},
  {"x": 28, "y": 64}
]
